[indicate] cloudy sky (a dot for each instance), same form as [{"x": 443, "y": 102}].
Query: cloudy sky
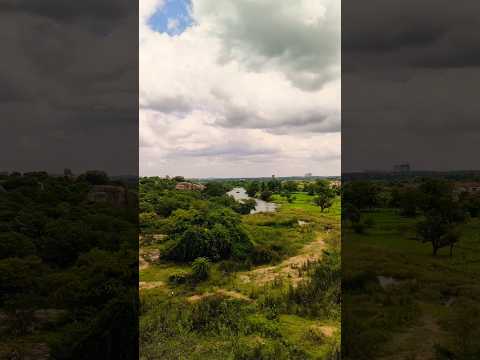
[
  {"x": 69, "y": 85},
  {"x": 410, "y": 76},
  {"x": 239, "y": 87}
]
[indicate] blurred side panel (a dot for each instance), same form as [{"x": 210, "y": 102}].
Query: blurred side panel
[
  {"x": 411, "y": 199},
  {"x": 69, "y": 179}
]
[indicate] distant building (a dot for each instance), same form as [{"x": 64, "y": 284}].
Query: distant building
[
  {"x": 469, "y": 187},
  {"x": 404, "y": 167},
  {"x": 189, "y": 186},
  {"x": 308, "y": 175}
]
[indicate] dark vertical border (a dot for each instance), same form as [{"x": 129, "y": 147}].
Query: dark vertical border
[
  {"x": 69, "y": 179},
  {"x": 411, "y": 177}
]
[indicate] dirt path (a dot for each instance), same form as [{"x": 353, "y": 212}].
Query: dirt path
[
  {"x": 416, "y": 343},
  {"x": 143, "y": 285},
  {"x": 145, "y": 258},
  {"x": 226, "y": 293},
  {"x": 288, "y": 268}
]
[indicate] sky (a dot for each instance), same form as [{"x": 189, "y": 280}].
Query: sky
[
  {"x": 239, "y": 88},
  {"x": 410, "y": 84},
  {"x": 69, "y": 86}
]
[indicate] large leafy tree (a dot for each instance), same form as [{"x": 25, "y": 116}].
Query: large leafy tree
[{"x": 215, "y": 234}]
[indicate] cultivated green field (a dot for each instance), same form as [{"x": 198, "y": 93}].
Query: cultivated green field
[
  {"x": 432, "y": 309},
  {"x": 276, "y": 310}
]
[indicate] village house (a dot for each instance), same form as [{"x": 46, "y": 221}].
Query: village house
[{"x": 189, "y": 186}]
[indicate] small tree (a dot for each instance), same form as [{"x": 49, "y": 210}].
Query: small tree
[
  {"x": 252, "y": 189},
  {"x": 435, "y": 230},
  {"x": 246, "y": 206},
  {"x": 201, "y": 268},
  {"x": 290, "y": 186},
  {"x": 325, "y": 199},
  {"x": 350, "y": 213},
  {"x": 266, "y": 195}
]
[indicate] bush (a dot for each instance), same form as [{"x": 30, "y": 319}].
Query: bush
[
  {"x": 201, "y": 269},
  {"x": 266, "y": 195},
  {"x": 178, "y": 278},
  {"x": 264, "y": 255}
]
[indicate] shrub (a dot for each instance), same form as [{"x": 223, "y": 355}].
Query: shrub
[
  {"x": 201, "y": 268},
  {"x": 264, "y": 255},
  {"x": 266, "y": 195},
  {"x": 178, "y": 278}
]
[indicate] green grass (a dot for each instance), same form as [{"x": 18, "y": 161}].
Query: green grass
[
  {"x": 304, "y": 205},
  {"x": 376, "y": 318},
  {"x": 257, "y": 331}
]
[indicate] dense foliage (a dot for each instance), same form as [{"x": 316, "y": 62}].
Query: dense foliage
[{"x": 59, "y": 251}]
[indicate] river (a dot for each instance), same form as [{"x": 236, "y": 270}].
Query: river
[{"x": 240, "y": 193}]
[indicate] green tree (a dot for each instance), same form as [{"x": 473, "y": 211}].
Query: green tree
[
  {"x": 252, "y": 188},
  {"x": 266, "y": 195},
  {"x": 435, "y": 230},
  {"x": 361, "y": 194},
  {"x": 245, "y": 207},
  {"x": 214, "y": 189},
  {"x": 325, "y": 199},
  {"x": 290, "y": 186}
]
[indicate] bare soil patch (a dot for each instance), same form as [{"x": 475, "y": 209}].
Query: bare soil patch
[
  {"x": 144, "y": 285},
  {"x": 223, "y": 292},
  {"x": 288, "y": 268}
]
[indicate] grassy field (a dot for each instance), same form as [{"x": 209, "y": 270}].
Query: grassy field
[
  {"x": 431, "y": 311},
  {"x": 244, "y": 310}
]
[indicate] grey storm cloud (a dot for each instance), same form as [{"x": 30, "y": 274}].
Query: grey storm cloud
[
  {"x": 172, "y": 104},
  {"x": 62, "y": 11},
  {"x": 410, "y": 33},
  {"x": 234, "y": 116},
  {"x": 70, "y": 85},
  {"x": 317, "y": 122},
  {"x": 232, "y": 150},
  {"x": 263, "y": 36},
  {"x": 409, "y": 86}
]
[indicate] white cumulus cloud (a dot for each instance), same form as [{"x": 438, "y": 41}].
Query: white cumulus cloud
[{"x": 250, "y": 89}]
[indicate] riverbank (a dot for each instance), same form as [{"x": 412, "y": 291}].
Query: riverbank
[{"x": 261, "y": 206}]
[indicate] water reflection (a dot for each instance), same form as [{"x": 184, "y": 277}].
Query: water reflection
[{"x": 240, "y": 193}]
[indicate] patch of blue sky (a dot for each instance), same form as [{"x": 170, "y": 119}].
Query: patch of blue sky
[{"x": 173, "y": 18}]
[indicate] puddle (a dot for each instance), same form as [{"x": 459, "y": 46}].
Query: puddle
[{"x": 387, "y": 281}]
